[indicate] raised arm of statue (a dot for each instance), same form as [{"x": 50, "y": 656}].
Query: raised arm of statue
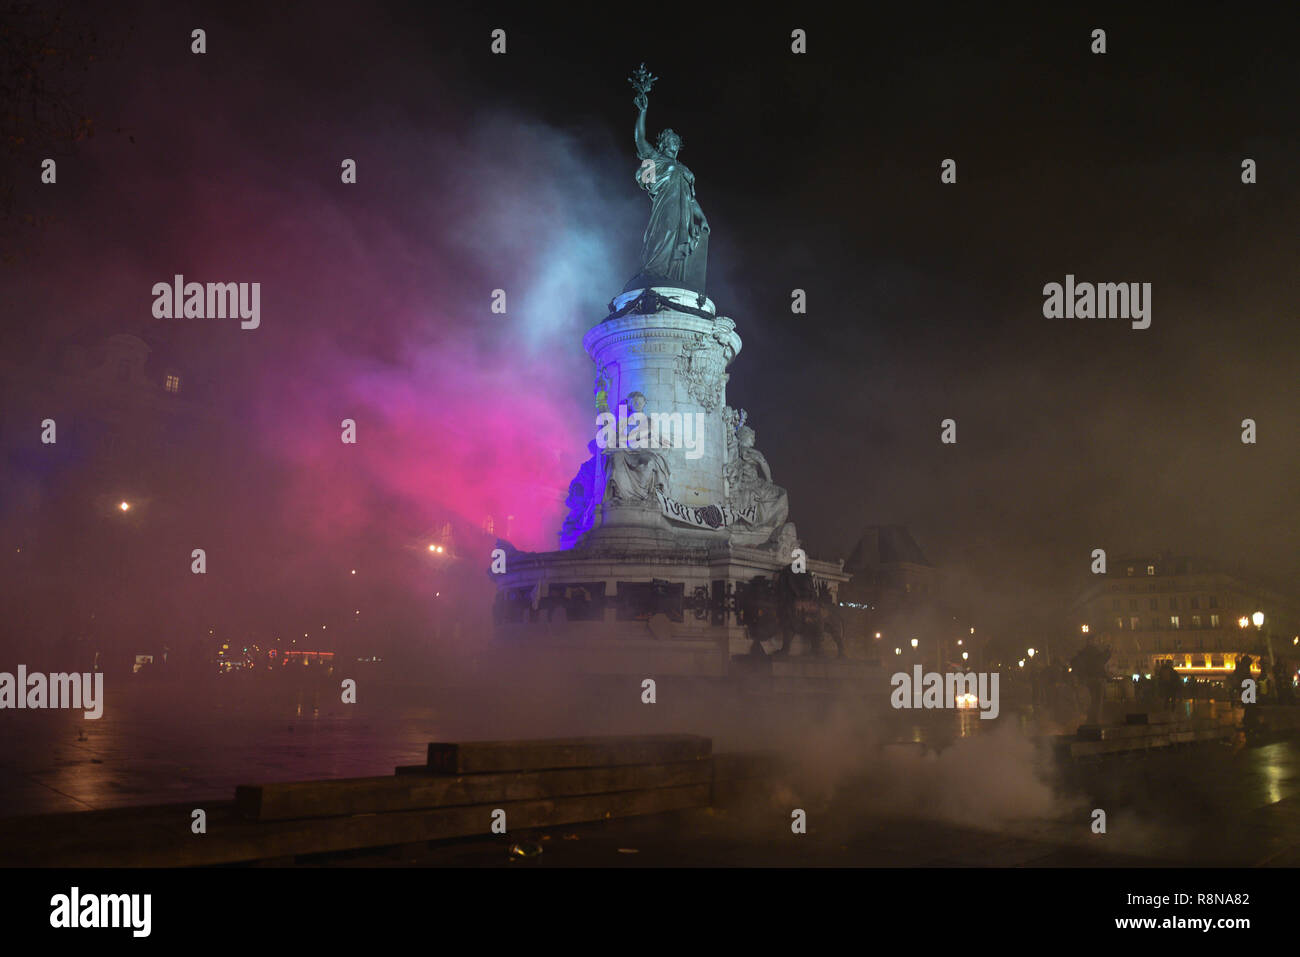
[
  {"x": 642, "y": 80},
  {"x": 643, "y": 148}
]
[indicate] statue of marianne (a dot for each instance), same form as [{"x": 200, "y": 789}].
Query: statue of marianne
[{"x": 675, "y": 247}]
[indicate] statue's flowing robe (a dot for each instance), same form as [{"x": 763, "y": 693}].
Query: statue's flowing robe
[
  {"x": 675, "y": 247},
  {"x": 755, "y": 489},
  {"x": 633, "y": 475}
]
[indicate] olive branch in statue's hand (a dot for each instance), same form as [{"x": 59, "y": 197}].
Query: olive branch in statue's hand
[{"x": 642, "y": 80}]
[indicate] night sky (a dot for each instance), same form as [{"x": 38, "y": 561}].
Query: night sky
[{"x": 816, "y": 171}]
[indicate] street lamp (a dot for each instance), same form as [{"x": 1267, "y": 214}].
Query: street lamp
[
  {"x": 915, "y": 642},
  {"x": 1083, "y": 629},
  {"x": 1032, "y": 652},
  {"x": 1257, "y": 618},
  {"x": 124, "y": 506}
]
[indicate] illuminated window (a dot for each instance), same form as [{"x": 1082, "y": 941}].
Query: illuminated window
[
  {"x": 1173, "y": 621},
  {"x": 1119, "y": 623},
  {"x": 1151, "y": 569},
  {"x": 1196, "y": 621},
  {"x": 172, "y": 383},
  {"x": 1133, "y": 623},
  {"x": 1130, "y": 569},
  {"x": 1214, "y": 621}
]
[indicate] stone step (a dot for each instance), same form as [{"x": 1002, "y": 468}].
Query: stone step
[
  {"x": 408, "y": 792},
  {"x": 475, "y": 757},
  {"x": 1150, "y": 717},
  {"x": 160, "y": 837}
]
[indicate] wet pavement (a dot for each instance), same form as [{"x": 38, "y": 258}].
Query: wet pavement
[{"x": 938, "y": 792}]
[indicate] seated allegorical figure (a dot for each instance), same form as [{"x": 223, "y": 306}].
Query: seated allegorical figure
[
  {"x": 764, "y": 504},
  {"x": 633, "y": 475}
]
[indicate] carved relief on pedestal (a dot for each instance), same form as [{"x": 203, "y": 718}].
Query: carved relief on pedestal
[{"x": 700, "y": 366}]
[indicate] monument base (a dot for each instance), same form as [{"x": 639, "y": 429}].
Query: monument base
[{"x": 659, "y": 611}]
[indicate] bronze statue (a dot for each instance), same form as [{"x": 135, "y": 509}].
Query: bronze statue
[
  {"x": 675, "y": 247},
  {"x": 787, "y": 604}
]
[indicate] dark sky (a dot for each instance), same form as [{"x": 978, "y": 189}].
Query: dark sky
[{"x": 818, "y": 172}]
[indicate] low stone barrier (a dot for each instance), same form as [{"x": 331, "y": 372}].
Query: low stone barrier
[{"x": 460, "y": 791}]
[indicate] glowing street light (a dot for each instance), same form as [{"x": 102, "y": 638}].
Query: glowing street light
[
  {"x": 1258, "y": 619},
  {"x": 898, "y": 651},
  {"x": 1243, "y": 621},
  {"x": 1021, "y": 662},
  {"x": 915, "y": 642},
  {"x": 1032, "y": 652},
  {"x": 965, "y": 655},
  {"x": 877, "y": 635},
  {"x": 124, "y": 506},
  {"x": 1083, "y": 628}
]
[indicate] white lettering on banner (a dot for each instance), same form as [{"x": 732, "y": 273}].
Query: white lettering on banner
[{"x": 706, "y": 516}]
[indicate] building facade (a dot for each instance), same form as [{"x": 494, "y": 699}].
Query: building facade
[{"x": 1193, "y": 613}]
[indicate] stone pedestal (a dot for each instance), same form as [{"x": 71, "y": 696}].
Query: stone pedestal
[
  {"x": 662, "y": 536},
  {"x": 677, "y": 361}
]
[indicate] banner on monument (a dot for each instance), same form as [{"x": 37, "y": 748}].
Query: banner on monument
[{"x": 705, "y": 516}]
